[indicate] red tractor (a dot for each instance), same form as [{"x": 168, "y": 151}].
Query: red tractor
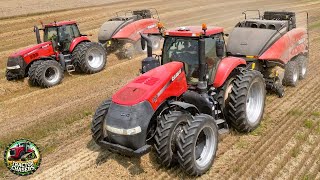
[
  {"x": 274, "y": 45},
  {"x": 176, "y": 106},
  {"x": 64, "y": 49},
  {"x": 22, "y": 152},
  {"x": 121, "y": 33}
]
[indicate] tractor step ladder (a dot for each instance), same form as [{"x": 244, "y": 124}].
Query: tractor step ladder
[
  {"x": 222, "y": 126},
  {"x": 69, "y": 67}
]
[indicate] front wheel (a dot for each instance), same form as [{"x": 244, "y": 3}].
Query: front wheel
[
  {"x": 167, "y": 132},
  {"x": 32, "y": 73},
  {"x": 247, "y": 101},
  {"x": 97, "y": 124},
  {"x": 198, "y": 145}
]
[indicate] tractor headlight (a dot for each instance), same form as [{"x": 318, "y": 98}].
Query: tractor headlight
[{"x": 15, "y": 63}]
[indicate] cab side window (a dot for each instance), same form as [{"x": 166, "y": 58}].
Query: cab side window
[
  {"x": 75, "y": 31},
  {"x": 210, "y": 52}
]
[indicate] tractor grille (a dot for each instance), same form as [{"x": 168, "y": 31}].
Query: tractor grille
[
  {"x": 13, "y": 61},
  {"x": 12, "y": 152}
]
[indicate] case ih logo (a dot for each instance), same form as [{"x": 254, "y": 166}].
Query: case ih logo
[
  {"x": 22, "y": 157},
  {"x": 176, "y": 75}
]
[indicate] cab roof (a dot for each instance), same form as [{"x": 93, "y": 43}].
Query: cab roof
[
  {"x": 61, "y": 23},
  {"x": 193, "y": 31}
]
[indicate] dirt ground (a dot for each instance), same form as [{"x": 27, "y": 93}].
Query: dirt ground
[{"x": 285, "y": 146}]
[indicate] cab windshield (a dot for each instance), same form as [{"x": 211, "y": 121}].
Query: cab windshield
[
  {"x": 66, "y": 33},
  {"x": 50, "y": 34},
  {"x": 186, "y": 50},
  {"x": 181, "y": 49}
]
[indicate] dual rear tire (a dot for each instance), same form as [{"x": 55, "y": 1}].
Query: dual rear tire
[
  {"x": 242, "y": 99},
  {"x": 89, "y": 57}
]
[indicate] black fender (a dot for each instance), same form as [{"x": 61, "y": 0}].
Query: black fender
[
  {"x": 198, "y": 100},
  {"x": 186, "y": 106}
]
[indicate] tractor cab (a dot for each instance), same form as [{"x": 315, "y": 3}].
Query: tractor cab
[
  {"x": 60, "y": 34},
  {"x": 199, "y": 48}
]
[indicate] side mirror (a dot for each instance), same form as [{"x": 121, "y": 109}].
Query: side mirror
[
  {"x": 143, "y": 43},
  {"x": 145, "y": 39},
  {"x": 220, "y": 48},
  {"x": 36, "y": 30}
]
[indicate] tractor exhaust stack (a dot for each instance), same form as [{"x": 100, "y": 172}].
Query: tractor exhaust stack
[
  {"x": 36, "y": 30},
  {"x": 150, "y": 62}
]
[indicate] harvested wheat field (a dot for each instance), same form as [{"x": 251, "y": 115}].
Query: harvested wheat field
[{"x": 285, "y": 146}]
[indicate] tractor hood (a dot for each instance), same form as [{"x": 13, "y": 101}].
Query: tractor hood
[
  {"x": 30, "y": 50},
  {"x": 154, "y": 86}
]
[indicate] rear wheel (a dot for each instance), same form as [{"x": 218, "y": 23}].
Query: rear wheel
[
  {"x": 167, "y": 133},
  {"x": 302, "y": 64},
  {"x": 48, "y": 73},
  {"x": 247, "y": 100},
  {"x": 97, "y": 124},
  {"x": 89, "y": 57},
  {"x": 32, "y": 73},
  {"x": 291, "y": 73},
  {"x": 198, "y": 145},
  {"x": 223, "y": 94}
]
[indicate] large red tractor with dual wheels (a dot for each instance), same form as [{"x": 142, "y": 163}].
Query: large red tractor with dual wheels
[
  {"x": 121, "y": 33},
  {"x": 176, "y": 107},
  {"x": 274, "y": 44},
  {"x": 22, "y": 152},
  {"x": 63, "y": 48}
]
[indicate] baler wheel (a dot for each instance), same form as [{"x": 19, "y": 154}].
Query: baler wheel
[
  {"x": 155, "y": 42},
  {"x": 198, "y": 145},
  {"x": 97, "y": 124},
  {"x": 32, "y": 73},
  {"x": 49, "y": 73},
  {"x": 291, "y": 73},
  {"x": 167, "y": 133},
  {"x": 302, "y": 63},
  {"x": 127, "y": 50},
  {"x": 89, "y": 57},
  {"x": 247, "y": 101}
]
